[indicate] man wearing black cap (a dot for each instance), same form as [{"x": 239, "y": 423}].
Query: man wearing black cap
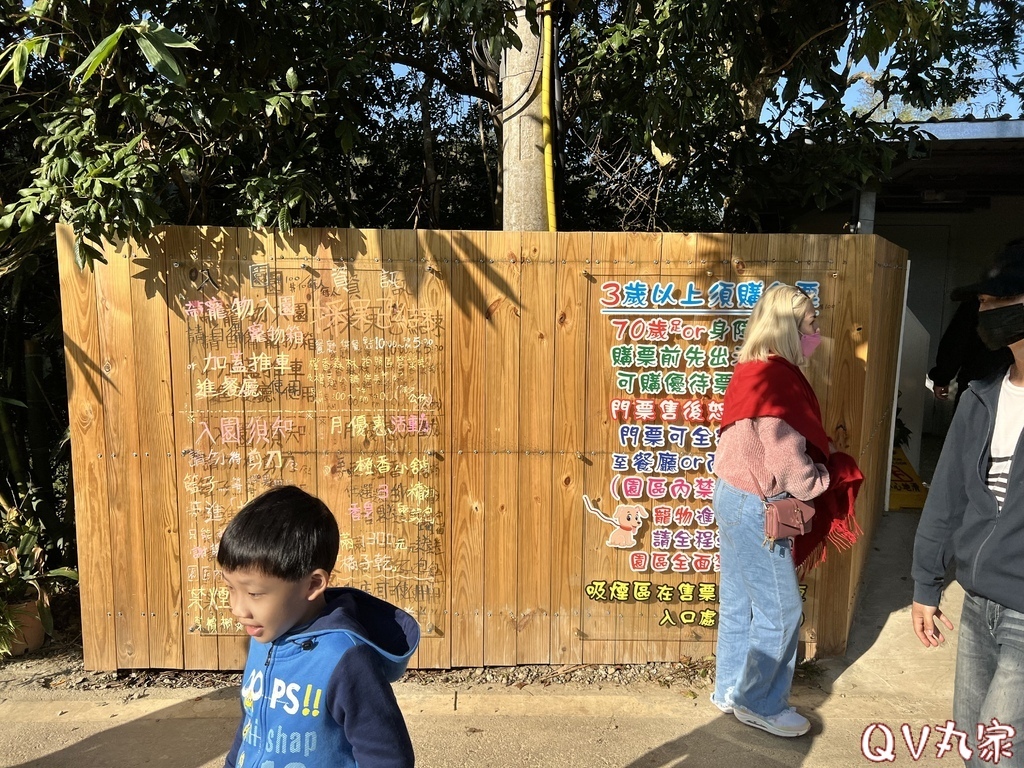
[
  {"x": 962, "y": 355},
  {"x": 975, "y": 515}
]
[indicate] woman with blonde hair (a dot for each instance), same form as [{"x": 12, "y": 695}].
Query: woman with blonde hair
[{"x": 773, "y": 445}]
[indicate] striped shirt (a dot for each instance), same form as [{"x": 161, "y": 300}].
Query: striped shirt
[{"x": 1009, "y": 423}]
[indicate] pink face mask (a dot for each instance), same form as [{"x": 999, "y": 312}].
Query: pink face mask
[{"x": 809, "y": 343}]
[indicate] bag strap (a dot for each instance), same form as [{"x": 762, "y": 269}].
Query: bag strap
[{"x": 764, "y": 498}]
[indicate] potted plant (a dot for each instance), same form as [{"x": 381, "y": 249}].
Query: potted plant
[{"x": 25, "y": 584}]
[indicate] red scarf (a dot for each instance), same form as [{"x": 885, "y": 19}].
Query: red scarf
[{"x": 779, "y": 389}]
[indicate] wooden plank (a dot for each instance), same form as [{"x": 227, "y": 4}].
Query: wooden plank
[
  {"x": 467, "y": 463},
  {"x": 569, "y": 424},
  {"x": 186, "y": 332},
  {"x": 603, "y": 615},
  {"x": 292, "y": 417},
  {"x": 843, "y": 413},
  {"x": 501, "y": 442},
  {"x": 433, "y": 539},
  {"x": 641, "y": 262},
  {"x": 148, "y": 278},
  {"x": 328, "y": 371},
  {"x": 404, "y": 403},
  {"x": 701, "y": 260},
  {"x": 260, "y": 283},
  {"x": 370, "y": 444},
  {"x": 536, "y": 429},
  {"x": 676, "y": 265},
  {"x": 352, "y": 319},
  {"x": 88, "y": 447},
  {"x": 123, "y": 465},
  {"x": 218, "y": 449},
  {"x": 889, "y": 278}
]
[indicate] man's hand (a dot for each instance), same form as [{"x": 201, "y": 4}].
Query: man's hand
[
  {"x": 925, "y": 628},
  {"x": 941, "y": 393}
]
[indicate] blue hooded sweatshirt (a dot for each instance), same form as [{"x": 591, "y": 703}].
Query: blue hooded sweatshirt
[{"x": 320, "y": 695}]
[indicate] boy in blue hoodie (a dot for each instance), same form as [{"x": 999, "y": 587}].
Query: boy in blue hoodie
[{"x": 316, "y": 692}]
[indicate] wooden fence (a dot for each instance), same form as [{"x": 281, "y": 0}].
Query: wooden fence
[{"x": 454, "y": 397}]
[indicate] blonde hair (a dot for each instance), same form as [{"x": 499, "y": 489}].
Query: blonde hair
[{"x": 773, "y": 328}]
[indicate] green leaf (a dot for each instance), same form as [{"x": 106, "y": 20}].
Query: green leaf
[
  {"x": 346, "y": 133},
  {"x": 99, "y": 54},
  {"x": 292, "y": 77},
  {"x": 39, "y": 8},
  {"x": 27, "y": 219},
  {"x": 67, "y": 573},
  {"x": 171, "y": 39},
  {"x": 20, "y": 62},
  {"x": 45, "y": 616},
  {"x": 284, "y": 220},
  {"x": 129, "y": 147},
  {"x": 159, "y": 57}
]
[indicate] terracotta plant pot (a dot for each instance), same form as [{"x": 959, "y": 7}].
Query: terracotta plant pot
[{"x": 30, "y": 634}]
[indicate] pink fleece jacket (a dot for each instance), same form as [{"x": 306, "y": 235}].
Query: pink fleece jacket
[{"x": 776, "y": 455}]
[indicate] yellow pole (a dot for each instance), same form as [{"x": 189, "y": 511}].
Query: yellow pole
[{"x": 545, "y": 95}]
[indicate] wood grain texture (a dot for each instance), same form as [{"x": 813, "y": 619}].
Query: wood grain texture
[
  {"x": 536, "y": 432},
  {"x": 88, "y": 447},
  {"x": 148, "y": 279},
  {"x": 569, "y": 430},
  {"x": 220, "y": 281},
  {"x": 602, "y": 618},
  {"x": 501, "y": 328},
  {"x": 468, "y": 441},
  {"x": 494, "y": 347},
  {"x": 434, "y": 547},
  {"x": 123, "y": 464}
]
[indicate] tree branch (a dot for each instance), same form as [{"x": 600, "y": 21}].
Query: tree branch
[
  {"x": 459, "y": 86},
  {"x": 812, "y": 38}
]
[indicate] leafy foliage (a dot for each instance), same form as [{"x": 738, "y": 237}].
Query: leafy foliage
[
  {"x": 745, "y": 101},
  {"x": 217, "y": 113},
  {"x": 747, "y": 98},
  {"x": 24, "y": 575}
]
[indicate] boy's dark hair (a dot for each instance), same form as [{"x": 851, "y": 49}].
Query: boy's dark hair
[{"x": 284, "y": 532}]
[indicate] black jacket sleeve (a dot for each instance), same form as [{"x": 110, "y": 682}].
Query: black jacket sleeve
[
  {"x": 362, "y": 701},
  {"x": 957, "y": 344}
]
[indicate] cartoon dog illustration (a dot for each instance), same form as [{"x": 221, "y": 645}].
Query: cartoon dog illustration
[{"x": 627, "y": 521}]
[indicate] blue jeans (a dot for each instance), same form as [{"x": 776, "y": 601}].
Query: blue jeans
[
  {"x": 759, "y": 617},
  {"x": 990, "y": 676}
]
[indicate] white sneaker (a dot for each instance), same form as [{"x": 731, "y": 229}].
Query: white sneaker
[
  {"x": 788, "y": 723},
  {"x": 726, "y": 708}
]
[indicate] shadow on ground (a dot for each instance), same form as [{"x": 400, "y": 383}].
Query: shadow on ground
[
  {"x": 167, "y": 737},
  {"x": 726, "y": 742},
  {"x": 885, "y": 594}
]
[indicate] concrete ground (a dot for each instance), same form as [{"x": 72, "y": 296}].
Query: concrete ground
[{"x": 887, "y": 678}]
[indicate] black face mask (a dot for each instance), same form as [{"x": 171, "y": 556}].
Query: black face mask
[{"x": 1001, "y": 327}]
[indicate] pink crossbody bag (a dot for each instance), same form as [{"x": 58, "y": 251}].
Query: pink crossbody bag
[{"x": 785, "y": 518}]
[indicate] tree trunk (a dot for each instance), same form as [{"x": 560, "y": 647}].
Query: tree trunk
[
  {"x": 522, "y": 135},
  {"x": 431, "y": 187}
]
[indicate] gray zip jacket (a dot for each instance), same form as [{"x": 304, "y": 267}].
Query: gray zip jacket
[{"x": 961, "y": 518}]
